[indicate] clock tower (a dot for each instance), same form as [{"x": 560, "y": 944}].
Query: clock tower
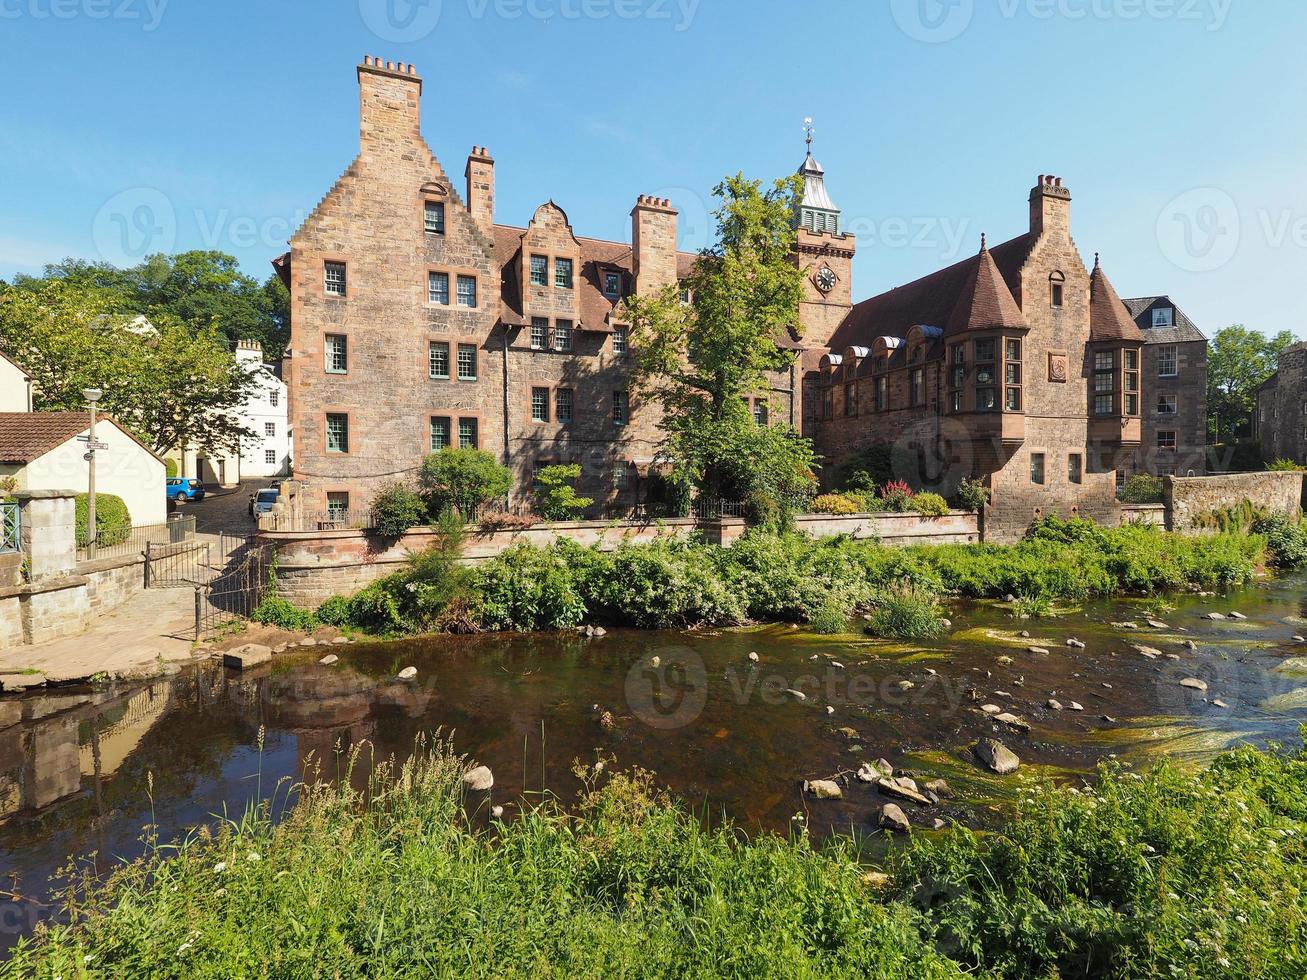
[{"x": 824, "y": 253}]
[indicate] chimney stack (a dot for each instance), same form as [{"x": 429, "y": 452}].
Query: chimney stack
[
  {"x": 480, "y": 174},
  {"x": 653, "y": 244},
  {"x": 1050, "y": 207},
  {"x": 390, "y": 101}
]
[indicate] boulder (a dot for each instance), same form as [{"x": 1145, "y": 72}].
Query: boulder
[
  {"x": 892, "y": 817},
  {"x": 479, "y": 780},
  {"x": 904, "y": 789},
  {"x": 407, "y": 674},
  {"x": 329, "y": 659},
  {"x": 1214, "y": 617},
  {"x": 1054, "y": 704},
  {"x": 905, "y": 685},
  {"x": 1218, "y": 703},
  {"x": 1012, "y": 721},
  {"x": 1076, "y": 706},
  {"x": 1152, "y": 653},
  {"x": 1157, "y": 624},
  {"x": 753, "y": 657},
  {"x": 938, "y": 824},
  {"x": 247, "y": 656},
  {"x": 825, "y": 789},
  {"x": 1194, "y": 684},
  {"x": 991, "y": 709},
  {"x": 883, "y": 767},
  {"x": 996, "y": 756},
  {"x": 797, "y": 695}
]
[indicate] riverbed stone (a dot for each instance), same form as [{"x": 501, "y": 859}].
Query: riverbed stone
[
  {"x": 1037, "y": 650},
  {"x": 1237, "y": 615},
  {"x": 1076, "y": 706},
  {"x": 1152, "y": 653},
  {"x": 825, "y": 789},
  {"x": 1055, "y": 704},
  {"x": 892, "y": 817},
  {"x": 1214, "y": 616},
  {"x": 1075, "y": 644},
  {"x": 247, "y": 656},
  {"x": 797, "y": 695},
  {"x": 329, "y": 660},
  {"x": 1012, "y": 721},
  {"x": 940, "y": 787},
  {"x": 1194, "y": 684},
  {"x": 407, "y": 674},
  {"x": 479, "y": 780},
  {"x": 753, "y": 656},
  {"x": 904, "y": 789},
  {"x": 991, "y": 709},
  {"x": 996, "y": 756},
  {"x": 1157, "y": 624}
]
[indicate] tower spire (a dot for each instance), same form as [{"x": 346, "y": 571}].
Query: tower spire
[
  {"x": 807, "y": 132},
  {"x": 817, "y": 212}
]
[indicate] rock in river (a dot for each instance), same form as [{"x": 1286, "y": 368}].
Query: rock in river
[
  {"x": 329, "y": 659},
  {"x": 904, "y": 789},
  {"x": 1194, "y": 684},
  {"x": 479, "y": 779},
  {"x": 996, "y": 756},
  {"x": 940, "y": 788},
  {"x": 407, "y": 674},
  {"x": 825, "y": 789},
  {"x": 893, "y": 818}
]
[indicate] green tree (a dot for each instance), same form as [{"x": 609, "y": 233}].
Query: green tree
[
  {"x": 701, "y": 361},
  {"x": 1238, "y": 360},
  {"x": 555, "y": 494},
  {"x": 462, "y": 480}
]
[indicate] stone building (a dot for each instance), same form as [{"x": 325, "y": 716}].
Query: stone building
[
  {"x": 1175, "y": 380},
  {"x": 1280, "y": 414}
]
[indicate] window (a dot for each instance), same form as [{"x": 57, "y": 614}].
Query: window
[
  {"x": 1164, "y": 317},
  {"x": 539, "y": 404},
  {"x": 760, "y": 412},
  {"x": 1168, "y": 361},
  {"x": 621, "y": 340},
  {"x": 467, "y": 433},
  {"x": 828, "y": 403},
  {"x": 882, "y": 394},
  {"x": 337, "y": 432},
  {"x": 270, "y": 429},
  {"x": 1166, "y": 405},
  {"x": 563, "y": 335},
  {"x": 1037, "y": 469},
  {"x": 563, "y": 273},
  {"x": 686, "y": 296},
  {"x": 539, "y": 333},
  {"x": 563, "y": 399},
  {"x": 1057, "y": 289},
  {"x": 467, "y": 362},
  {"x": 1102, "y": 404},
  {"x": 334, "y": 278},
  {"x": 438, "y": 288},
  {"x": 1104, "y": 382},
  {"x": 274, "y": 397},
  {"x": 1130, "y": 358},
  {"x": 917, "y": 384},
  {"x": 440, "y": 432},
  {"x": 621, "y": 477},
  {"x": 270, "y": 457},
  {"x": 612, "y": 284},
  {"x": 850, "y": 399},
  {"x": 957, "y": 376},
  {"x": 539, "y": 270},
  {"x": 986, "y": 399},
  {"x": 438, "y": 359},
  {"x": 433, "y": 217},
  {"x": 621, "y": 407},
  {"x": 1075, "y": 468},
  {"x": 1012, "y": 375},
  {"x": 1166, "y": 440},
  {"x": 955, "y": 401},
  {"x": 337, "y": 506},
  {"x": 985, "y": 350},
  {"x": 337, "y": 355},
  {"x": 467, "y": 291}
]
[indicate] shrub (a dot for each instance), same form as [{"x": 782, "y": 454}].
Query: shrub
[
  {"x": 462, "y": 480},
  {"x": 1032, "y": 607},
  {"x": 170, "y": 467},
  {"x": 1284, "y": 466},
  {"x": 527, "y": 588},
  {"x": 869, "y": 469},
  {"x": 555, "y": 494},
  {"x": 907, "y": 613},
  {"x": 1285, "y": 540},
  {"x": 395, "y": 509},
  {"x": 279, "y": 612},
  {"x": 113, "y": 522},
  {"x": 836, "y": 503},
  {"x": 663, "y": 585},
  {"x": 972, "y": 495},
  {"x": 929, "y": 504},
  {"x": 1142, "y": 489},
  {"x": 334, "y": 612},
  {"x": 830, "y": 620},
  {"x": 897, "y": 496},
  {"x": 667, "y": 496}
]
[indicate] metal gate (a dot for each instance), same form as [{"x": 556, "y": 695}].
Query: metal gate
[
  {"x": 172, "y": 566},
  {"x": 234, "y": 593}
]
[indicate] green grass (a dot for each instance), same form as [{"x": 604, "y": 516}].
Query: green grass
[{"x": 1163, "y": 874}]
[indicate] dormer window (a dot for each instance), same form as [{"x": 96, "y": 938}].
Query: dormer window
[
  {"x": 1163, "y": 317},
  {"x": 563, "y": 273},
  {"x": 612, "y": 284},
  {"x": 1057, "y": 290}
]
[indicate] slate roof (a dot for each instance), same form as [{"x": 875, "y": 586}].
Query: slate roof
[
  {"x": 1183, "y": 332},
  {"x": 1108, "y": 317},
  {"x": 985, "y": 302},
  {"x": 26, "y": 436}
]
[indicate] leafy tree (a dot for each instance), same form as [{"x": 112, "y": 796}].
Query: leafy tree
[
  {"x": 555, "y": 494},
  {"x": 462, "y": 480},
  {"x": 701, "y": 360},
  {"x": 1238, "y": 361},
  {"x": 396, "y": 508}
]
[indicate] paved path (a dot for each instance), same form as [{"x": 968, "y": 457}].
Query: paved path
[{"x": 153, "y": 628}]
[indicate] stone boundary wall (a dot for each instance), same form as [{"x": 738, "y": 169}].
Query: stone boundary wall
[
  {"x": 1154, "y": 514},
  {"x": 312, "y": 566},
  {"x": 1190, "y": 498}
]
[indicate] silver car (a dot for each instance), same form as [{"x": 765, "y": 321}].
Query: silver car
[{"x": 263, "y": 501}]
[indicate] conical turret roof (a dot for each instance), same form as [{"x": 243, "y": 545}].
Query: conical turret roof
[{"x": 985, "y": 302}]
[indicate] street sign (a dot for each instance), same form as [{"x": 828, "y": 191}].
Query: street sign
[{"x": 98, "y": 446}]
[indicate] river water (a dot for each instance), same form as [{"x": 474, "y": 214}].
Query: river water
[{"x": 718, "y": 728}]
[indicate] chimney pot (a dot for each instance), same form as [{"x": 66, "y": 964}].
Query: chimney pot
[{"x": 367, "y": 60}]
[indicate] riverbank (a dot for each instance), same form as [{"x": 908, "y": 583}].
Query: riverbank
[{"x": 1163, "y": 873}]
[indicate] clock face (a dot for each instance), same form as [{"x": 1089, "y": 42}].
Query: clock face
[{"x": 825, "y": 279}]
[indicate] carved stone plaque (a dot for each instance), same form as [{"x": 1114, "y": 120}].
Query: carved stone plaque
[{"x": 1057, "y": 366}]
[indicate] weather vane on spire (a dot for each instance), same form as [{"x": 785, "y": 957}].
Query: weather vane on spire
[{"x": 807, "y": 129}]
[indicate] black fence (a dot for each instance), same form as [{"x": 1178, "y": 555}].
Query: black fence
[
  {"x": 125, "y": 542},
  {"x": 234, "y": 594}
]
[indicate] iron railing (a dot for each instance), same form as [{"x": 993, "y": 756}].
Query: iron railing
[
  {"x": 11, "y": 528},
  {"x": 121, "y": 542},
  {"x": 234, "y": 594}
]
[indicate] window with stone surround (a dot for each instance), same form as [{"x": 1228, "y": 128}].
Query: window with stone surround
[
  {"x": 1075, "y": 468},
  {"x": 337, "y": 505},
  {"x": 337, "y": 432},
  {"x": 1104, "y": 382},
  {"x": 760, "y": 411},
  {"x": 621, "y": 407},
  {"x": 563, "y": 273},
  {"x": 334, "y": 278},
  {"x": 917, "y": 387},
  {"x": 957, "y": 376},
  {"x": 433, "y": 218},
  {"x": 828, "y": 403},
  {"x": 539, "y": 270},
  {"x": 564, "y": 398},
  {"x": 467, "y": 362},
  {"x": 613, "y": 285},
  {"x": 467, "y": 433},
  {"x": 1012, "y": 374},
  {"x": 438, "y": 288},
  {"x": 1056, "y": 290},
  {"x": 539, "y": 332},
  {"x": 563, "y": 336},
  {"x": 621, "y": 340},
  {"x": 539, "y": 404},
  {"x": 850, "y": 400},
  {"x": 1168, "y": 361},
  {"x": 441, "y": 430},
  {"x": 1130, "y": 398},
  {"x": 467, "y": 291},
  {"x": 621, "y": 477},
  {"x": 882, "y": 394},
  {"x": 1037, "y": 469},
  {"x": 336, "y": 348},
  {"x": 1167, "y": 404},
  {"x": 438, "y": 360},
  {"x": 1166, "y": 440}
]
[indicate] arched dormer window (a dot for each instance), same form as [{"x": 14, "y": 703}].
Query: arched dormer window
[{"x": 1056, "y": 290}]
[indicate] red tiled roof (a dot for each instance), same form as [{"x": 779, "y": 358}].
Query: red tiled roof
[
  {"x": 929, "y": 301},
  {"x": 985, "y": 302},
  {"x": 1108, "y": 317},
  {"x": 25, "y": 436}
]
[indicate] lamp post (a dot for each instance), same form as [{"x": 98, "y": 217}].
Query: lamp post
[{"x": 92, "y": 395}]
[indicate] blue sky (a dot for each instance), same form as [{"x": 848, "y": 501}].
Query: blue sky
[{"x": 1176, "y": 123}]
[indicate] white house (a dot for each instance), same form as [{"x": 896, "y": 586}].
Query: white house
[
  {"x": 15, "y": 387},
  {"x": 41, "y": 451}
]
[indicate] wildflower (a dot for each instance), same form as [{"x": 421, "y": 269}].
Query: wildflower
[
  {"x": 1221, "y": 961},
  {"x": 220, "y": 892},
  {"x": 255, "y": 857},
  {"x": 220, "y": 867}
]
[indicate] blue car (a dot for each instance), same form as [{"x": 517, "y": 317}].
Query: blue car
[{"x": 181, "y": 488}]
